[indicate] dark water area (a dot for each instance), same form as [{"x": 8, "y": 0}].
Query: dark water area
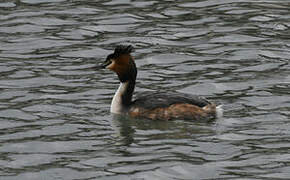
[{"x": 54, "y": 109}]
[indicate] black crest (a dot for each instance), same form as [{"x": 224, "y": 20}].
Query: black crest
[{"x": 121, "y": 50}]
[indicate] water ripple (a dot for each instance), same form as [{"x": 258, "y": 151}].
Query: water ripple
[{"x": 54, "y": 108}]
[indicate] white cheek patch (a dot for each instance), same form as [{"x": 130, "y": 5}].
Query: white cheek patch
[{"x": 110, "y": 66}]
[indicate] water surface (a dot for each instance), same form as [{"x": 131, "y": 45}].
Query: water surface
[{"x": 54, "y": 109}]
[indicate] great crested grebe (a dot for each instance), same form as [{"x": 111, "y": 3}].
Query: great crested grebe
[{"x": 153, "y": 105}]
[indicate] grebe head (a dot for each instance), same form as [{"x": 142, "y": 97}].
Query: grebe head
[{"x": 122, "y": 63}]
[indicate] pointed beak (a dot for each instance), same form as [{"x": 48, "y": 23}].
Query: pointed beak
[
  {"x": 96, "y": 67},
  {"x": 106, "y": 64},
  {"x": 101, "y": 66}
]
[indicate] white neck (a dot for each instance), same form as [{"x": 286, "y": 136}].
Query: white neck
[{"x": 116, "y": 106}]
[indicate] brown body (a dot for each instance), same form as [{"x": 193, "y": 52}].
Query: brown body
[
  {"x": 175, "y": 111},
  {"x": 156, "y": 106}
]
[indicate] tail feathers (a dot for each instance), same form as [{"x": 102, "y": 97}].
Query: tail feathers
[
  {"x": 216, "y": 111},
  {"x": 219, "y": 111}
]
